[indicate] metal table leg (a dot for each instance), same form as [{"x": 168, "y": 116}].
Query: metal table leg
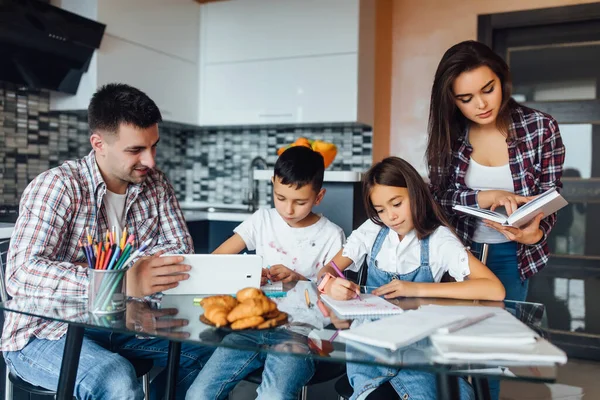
[
  {"x": 481, "y": 388},
  {"x": 172, "y": 368},
  {"x": 447, "y": 386},
  {"x": 70, "y": 363}
]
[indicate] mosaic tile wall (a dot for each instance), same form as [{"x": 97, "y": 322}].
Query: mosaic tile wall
[{"x": 208, "y": 165}]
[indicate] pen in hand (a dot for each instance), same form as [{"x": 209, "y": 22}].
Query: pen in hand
[{"x": 340, "y": 274}]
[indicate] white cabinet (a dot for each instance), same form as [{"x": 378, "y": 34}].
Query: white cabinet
[
  {"x": 243, "y": 30},
  {"x": 171, "y": 82},
  {"x": 276, "y": 61},
  {"x": 152, "y": 45},
  {"x": 314, "y": 89}
]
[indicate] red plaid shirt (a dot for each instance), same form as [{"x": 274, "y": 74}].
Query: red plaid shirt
[
  {"x": 536, "y": 157},
  {"x": 55, "y": 209}
]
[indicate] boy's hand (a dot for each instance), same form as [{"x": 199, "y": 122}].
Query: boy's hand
[
  {"x": 264, "y": 278},
  {"x": 284, "y": 274},
  {"x": 342, "y": 289}
]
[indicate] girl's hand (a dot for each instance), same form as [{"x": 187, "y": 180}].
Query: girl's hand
[
  {"x": 397, "y": 288},
  {"x": 341, "y": 289},
  {"x": 529, "y": 234},
  {"x": 510, "y": 202}
]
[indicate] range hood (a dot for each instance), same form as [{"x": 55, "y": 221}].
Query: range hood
[{"x": 45, "y": 47}]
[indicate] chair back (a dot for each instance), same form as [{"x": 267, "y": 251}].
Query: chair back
[{"x": 3, "y": 251}]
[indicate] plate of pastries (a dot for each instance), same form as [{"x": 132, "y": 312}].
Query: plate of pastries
[{"x": 249, "y": 309}]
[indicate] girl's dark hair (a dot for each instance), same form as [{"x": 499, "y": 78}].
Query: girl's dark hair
[
  {"x": 446, "y": 122},
  {"x": 426, "y": 214}
]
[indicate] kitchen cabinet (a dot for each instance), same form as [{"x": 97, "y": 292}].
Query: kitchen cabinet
[
  {"x": 314, "y": 89},
  {"x": 252, "y": 30},
  {"x": 149, "y": 44},
  {"x": 208, "y": 235},
  {"x": 273, "y": 62}
]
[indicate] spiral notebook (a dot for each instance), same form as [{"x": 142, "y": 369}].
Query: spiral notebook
[{"x": 365, "y": 305}]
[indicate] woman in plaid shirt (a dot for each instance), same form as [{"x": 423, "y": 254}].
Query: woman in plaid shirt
[{"x": 486, "y": 150}]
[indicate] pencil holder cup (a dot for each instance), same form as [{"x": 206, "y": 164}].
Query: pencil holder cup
[{"x": 106, "y": 293}]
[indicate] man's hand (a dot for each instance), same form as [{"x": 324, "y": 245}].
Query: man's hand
[
  {"x": 282, "y": 273},
  {"x": 155, "y": 274},
  {"x": 141, "y": 318}
]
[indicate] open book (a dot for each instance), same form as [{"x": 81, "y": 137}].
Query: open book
[{"x": 548, "y": 203}]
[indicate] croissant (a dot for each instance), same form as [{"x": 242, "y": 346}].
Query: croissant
[
  {"x": 251, "y": 308},
  {"x": 248, "y": 293},
  {"x": 223, "y": 300},
  {"x": 217, "y": 315}
]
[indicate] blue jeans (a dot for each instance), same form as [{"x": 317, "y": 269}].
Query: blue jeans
[
  {"x": 415, "y": 385},
  {"x": 104, "y": 372},
  {"x": 283, "y": 376},
  {"x": 502, "y": 261}
]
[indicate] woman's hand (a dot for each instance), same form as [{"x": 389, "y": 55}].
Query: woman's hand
[
  {"x": 529, "y": 234},
  {"x": 397, "y": 288},
  {"x": 510, "y": 201},
  {"x": 341, "y": 289}
]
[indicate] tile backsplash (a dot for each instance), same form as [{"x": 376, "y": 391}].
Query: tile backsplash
[{"x": 204, "y": 164}]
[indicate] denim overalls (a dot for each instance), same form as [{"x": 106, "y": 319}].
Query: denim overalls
[{"x": 408, "y": 384}]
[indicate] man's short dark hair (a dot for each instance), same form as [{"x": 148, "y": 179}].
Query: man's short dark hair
[
  {"x": 300, "y": 166},
  {"x": 116, "y": 103}
]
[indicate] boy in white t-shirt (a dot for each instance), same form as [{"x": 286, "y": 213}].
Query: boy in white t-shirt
[{"x": 295, "y": 244}]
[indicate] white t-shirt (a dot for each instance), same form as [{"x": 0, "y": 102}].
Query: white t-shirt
[
  {"x": 446, "y": 252},
  {"x": 114, "y": 205},
  {"x": 482, "y": 177},
  {"x": 304, "y": 250}
]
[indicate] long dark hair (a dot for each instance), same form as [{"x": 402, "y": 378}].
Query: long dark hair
[
  {"x": 446, "y": 122},
  {"x": 426, "y": 214}
]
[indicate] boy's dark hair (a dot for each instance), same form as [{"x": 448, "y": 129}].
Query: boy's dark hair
[
  {"x": 116, "y": 103},
  {"x": 300, "y": 166},
  {"x": 426, "y": 214}
]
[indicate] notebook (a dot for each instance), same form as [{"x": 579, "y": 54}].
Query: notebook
[
  {"x": 400, "y": 330},
  {"x": 501, "y": 329},
  {"x": 364, "y": 305},
  {"x": 541, "y": 351},
  {"x": 548, "y": 203}
]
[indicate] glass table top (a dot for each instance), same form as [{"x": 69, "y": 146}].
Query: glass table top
[{"x": 308, "y": 332}]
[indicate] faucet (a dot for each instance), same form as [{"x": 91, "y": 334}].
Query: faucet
[{"x": 252, "y": 198}]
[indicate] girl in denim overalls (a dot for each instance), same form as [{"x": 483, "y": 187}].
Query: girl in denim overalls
[{"x": 408, "y": 247}]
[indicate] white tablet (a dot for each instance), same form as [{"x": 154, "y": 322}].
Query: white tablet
[{"x": 219, "y": 273}]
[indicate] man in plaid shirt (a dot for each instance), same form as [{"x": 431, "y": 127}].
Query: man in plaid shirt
[{"x": 116, "y": 184}]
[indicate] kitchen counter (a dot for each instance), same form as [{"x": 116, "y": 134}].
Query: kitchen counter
[
  {"x": 330, "y": 176},
  {"x": 191, "y": 215},
  {"x": 6, "y": 230}
]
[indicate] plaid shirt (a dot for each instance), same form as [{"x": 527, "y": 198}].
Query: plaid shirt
[
  {"x": 55, "y": 209},
  {"x": 536, "y": 157}
]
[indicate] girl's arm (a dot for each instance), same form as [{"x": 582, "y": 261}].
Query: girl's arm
[{"x": 481, "y": 284}]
